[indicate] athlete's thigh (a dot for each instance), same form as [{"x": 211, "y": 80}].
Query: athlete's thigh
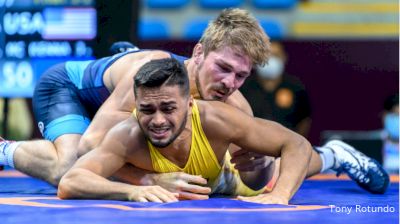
[{"x": 57, "y": 106}]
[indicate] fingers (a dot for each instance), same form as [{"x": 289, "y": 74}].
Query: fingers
[
  {"x": 166, "y": 196},
  {"x": 156, "y": 194},
  {"x": 239, "y": 152},
  {"x": 251, "y": 165},
  {"x": 242, "y": 157},
  {"x": 189, "y": 187},
  {"x": 154, "y": 198},
  {"x": 264, "y": 199},
  {"x": 192, "y": 196},
  {"x": 195, "y": 189},
  {"x": 192, "y": 179},
  {"x": 251, "y": 161},
  {"x": 191, "y": 183},
  {"x": 142, "y": 199}
]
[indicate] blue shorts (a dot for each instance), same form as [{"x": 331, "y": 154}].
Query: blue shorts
[{"x": 57, "y": 105}]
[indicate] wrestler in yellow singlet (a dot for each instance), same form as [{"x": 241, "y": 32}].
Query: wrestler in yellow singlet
[{"x": 202, "y": 161}]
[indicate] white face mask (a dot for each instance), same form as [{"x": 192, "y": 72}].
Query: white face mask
[{"x": 272, "y": 70}]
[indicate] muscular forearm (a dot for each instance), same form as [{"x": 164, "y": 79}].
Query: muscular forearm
[
  {"x": 293, "y": 168},
  {"x": 133, "y": 175},
  {"x": 81, "y": 183}
]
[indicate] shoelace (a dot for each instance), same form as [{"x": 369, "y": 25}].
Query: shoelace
[
  {"x": 355, "y": 172},
  {"x": 361, "y": 158}
]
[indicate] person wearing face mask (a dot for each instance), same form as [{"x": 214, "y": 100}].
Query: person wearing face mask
[
  {"x": 391, "y": 133},
  {"x": 274, "y": 95}
]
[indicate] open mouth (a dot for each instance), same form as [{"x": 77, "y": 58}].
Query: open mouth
[
  {"x": 159, "y": 133},
  {"x": 220, "y": 94}
]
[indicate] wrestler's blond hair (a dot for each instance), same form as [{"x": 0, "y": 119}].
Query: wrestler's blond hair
[{"x": 237, "y": 28}]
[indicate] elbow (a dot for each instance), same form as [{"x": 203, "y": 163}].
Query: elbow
[
  {"x": 86, "y": 143},
  {"x": 65, "y": 187}
]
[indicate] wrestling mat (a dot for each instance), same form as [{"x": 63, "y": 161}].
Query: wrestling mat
[{"x": 324, "y": 198}]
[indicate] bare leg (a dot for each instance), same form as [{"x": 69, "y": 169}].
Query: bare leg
[
  {"x": 315, "y": 165},
  {"x": 47, "y": 161}
]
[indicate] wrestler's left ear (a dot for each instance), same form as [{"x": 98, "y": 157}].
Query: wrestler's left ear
[{"x": 198, "y": 54}]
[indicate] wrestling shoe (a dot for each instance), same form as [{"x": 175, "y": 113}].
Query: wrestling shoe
[{"x": 367, "y": 172}]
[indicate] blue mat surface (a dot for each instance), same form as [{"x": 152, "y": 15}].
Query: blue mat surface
[{"x": 26, "y": 200}]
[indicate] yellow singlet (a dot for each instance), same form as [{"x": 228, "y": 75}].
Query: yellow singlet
[{"x": 202, "y": 161}]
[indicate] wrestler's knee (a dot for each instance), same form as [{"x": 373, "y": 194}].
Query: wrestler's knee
[
  {"x": 57, "y": 173},
  {"x": 67, "y": 154}
]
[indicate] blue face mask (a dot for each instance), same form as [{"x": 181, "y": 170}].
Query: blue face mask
[{"x": 392, "y": 125}]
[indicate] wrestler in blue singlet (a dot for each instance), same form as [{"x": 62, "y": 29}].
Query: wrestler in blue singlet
[{"x": 69, "y": 94}]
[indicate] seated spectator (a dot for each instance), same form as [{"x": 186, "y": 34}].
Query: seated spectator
[{"x": 277, "y": 96}]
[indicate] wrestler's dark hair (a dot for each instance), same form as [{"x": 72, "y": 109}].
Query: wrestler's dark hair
[{"x": 167, "y": 71}]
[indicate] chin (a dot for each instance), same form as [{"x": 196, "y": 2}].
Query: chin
[{"x": 159, "y": 144}]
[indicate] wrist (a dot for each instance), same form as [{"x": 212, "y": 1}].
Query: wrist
[
  {"x": 148, "y": 179},
  {"x": 282, "y": 193}
]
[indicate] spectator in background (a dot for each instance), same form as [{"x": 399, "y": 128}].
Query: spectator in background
[
  {"x": 274, "y": 95},
  {"x": 391, "y": 129}
]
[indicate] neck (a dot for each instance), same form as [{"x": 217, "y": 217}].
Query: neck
[{"x": 193, "y": 73}]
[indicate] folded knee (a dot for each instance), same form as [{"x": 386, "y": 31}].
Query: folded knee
[{"x": 57, "y": 173}]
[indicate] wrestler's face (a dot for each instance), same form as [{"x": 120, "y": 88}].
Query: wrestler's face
[
  {"x": 162, "y": 113},
  {"x": 221, "y": 72}
]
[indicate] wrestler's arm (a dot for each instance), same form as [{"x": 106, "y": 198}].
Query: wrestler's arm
[
  {"x": 268, "y": 138},
  {"x": 255, "y": 170},
  {"x": 88, "y": 177}
]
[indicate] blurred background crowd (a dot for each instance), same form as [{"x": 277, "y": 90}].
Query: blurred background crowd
[{"x": 334, "y": 70}]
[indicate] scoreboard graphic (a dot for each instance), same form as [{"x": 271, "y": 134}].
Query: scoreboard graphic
[{"x": 36, "y": 34}]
